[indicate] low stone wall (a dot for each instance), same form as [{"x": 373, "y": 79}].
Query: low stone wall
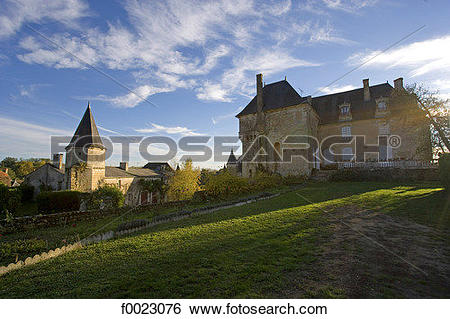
[
  {"x": 65, "y": 218},
  {"x": 111, "y": 234}
]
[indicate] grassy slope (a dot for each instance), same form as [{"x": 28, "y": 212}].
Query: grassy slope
[{"x": 245, "y": 251}]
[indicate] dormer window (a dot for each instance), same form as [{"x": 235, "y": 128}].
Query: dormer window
[
  {"x": 345, "y": 110},
  {"x": 345, "y": 113},
  {"x": 382, "y": 106}
]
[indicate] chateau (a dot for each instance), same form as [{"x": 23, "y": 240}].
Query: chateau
[
  {"x": 85, "y": 169},
  {"x": 278, "y": 111}
]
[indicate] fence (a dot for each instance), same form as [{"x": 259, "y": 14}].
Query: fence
[{"x": 403, "y": 164}]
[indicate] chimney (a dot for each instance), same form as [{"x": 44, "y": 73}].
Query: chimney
[
  {"x": 398, "y": 84},
  {"x": 366, "y": 90},
  {"x": 5, "y": 170},
  {"x": 124, "y": 166},
  {"x": 57, "y": 160},
  {"x": 259, "y": 93}
]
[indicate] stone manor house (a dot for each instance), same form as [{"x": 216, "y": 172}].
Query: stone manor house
[
  {"x": 86, "y": 170},
  {"x": 278, "y": 110}
]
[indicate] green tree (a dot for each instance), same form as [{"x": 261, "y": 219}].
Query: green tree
[
  {"x": 24, "y": 168},
  {"x": 184, "y": 183}
]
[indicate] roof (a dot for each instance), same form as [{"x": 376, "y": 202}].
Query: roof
[
  {"x": 275, "y": 95},
  {"x": 112, "y": 171},
  {"x": 86, "y": 132},
  {"x": 158, "y": 166},
  {"x": 327, "y": 106},
  {"x": 5, "y": 179},
  {"x": 232, "y": 158},
  {"x": 282, "y": 94}
]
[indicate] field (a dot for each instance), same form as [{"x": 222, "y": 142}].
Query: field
[{"x": 359, "y": 240}]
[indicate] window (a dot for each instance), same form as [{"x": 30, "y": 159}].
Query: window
[
  {"x": 347, "y": 154},
  {"x": 383, "y": 129},
  {"x": 382, "y": 106},
  {"x": 345, "y": 110},
  {"x": 346, "y": 131}
]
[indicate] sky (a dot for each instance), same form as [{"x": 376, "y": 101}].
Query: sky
[{"x": 186, "y": 68}]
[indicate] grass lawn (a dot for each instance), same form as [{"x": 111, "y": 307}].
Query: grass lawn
[{"x": 282, "y": 247}]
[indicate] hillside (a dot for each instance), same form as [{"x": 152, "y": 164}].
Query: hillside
[{"x": 282, "y": 247}]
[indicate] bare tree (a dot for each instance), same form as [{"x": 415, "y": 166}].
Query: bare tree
[{"x": 436, "y": 111}]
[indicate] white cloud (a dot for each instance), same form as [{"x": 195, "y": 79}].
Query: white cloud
[
  {"x": 26, "y": 139},
  {"x": 213, "y": 92},
  {"x": 130, "y": 100},
  {"x": 240, "y": 78},
  {"x": 336, "y": 89},
  {"x": 156, "y": 128},
  {"x": 420, "y": 57},
  {"x": 19, "y": 12},
  {"x": 349, "y": 5}
]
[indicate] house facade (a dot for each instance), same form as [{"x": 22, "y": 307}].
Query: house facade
[{"x": 278, "y": 111}]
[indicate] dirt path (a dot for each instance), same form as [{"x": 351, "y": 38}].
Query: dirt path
[{"x": 353, "y": 266}]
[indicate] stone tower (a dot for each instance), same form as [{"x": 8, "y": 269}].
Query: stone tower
[{"x": 85, "y": 156}]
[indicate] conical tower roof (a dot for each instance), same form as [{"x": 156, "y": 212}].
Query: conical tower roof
[
  {"x": 86, "y": 133},
  {"x": 232, "y": 159}
]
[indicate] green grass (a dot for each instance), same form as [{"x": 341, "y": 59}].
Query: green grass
[{"x": 247, "y": 251}]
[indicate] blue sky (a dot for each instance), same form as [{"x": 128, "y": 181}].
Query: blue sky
[{"x": 195, "y": 62}]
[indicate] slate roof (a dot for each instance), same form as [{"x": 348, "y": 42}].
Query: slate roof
[
  {"x": 327, "y": 106},
  {"x": 232, "y": 158},
  {"x": 282, "y": 94},
  {"x": 275, "y": 95},
  {"x": 112, "y": 171},
  {"x": 158, "y": 166},
  {"x": 86, "y": 132}
]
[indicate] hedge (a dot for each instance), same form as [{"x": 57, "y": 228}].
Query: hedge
[
  {"x": 444, "y": 170},
  {"x": 57, "y": 202}
]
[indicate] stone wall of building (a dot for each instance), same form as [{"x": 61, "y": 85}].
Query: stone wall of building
[{"x": 294, "y": 120}]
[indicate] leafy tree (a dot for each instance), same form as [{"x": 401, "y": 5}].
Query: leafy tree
[
  {"x": 106, "y": 197},
  {"x": 184, "y": 183}
]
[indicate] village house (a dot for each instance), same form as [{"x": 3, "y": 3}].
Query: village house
[
  {"x": 278, "y": 111},
  {"x": 85, "y": 168}
]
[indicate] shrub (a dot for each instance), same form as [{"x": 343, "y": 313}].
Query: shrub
[
  {"x": 294, "y": 179},
  {"x": 263, "y": 180},
  {"x": 225, "y": 184},
  {"x": 184, "y": 183},
  {"x": 9, "y": 200},
  {"x": 57, "y": 202},
  {"x": 348, "y": 175},
  {"x": 444, "y": 170},
  {"x": 27, "y": 192},
  {"x": 21, "y": 249},
  {"x": 106, "y": 197}
]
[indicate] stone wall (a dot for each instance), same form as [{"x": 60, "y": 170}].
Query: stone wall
[{"x": 294, "y": 120}]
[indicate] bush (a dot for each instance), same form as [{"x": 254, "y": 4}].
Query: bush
[
  {"x": 184, "y": 183},
  {"x": 263, "y": 180},
  {"x": 57, "y": 202},
  {"x": 20, "y": 249},
  {"x": 9, "y": 200},
  {"x": 27, "y": 192},
  {"x": 294, "y": 179},
  {"x": 444, "y": 170},
  {"x": 106, "y": 197},
  {"x": 348, "y": 175},
  {"x": 225, "y": 184}
]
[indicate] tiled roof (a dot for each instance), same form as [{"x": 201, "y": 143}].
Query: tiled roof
[{"x": 5, "y": 179}]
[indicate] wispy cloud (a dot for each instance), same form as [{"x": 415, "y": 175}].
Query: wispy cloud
[
  {"x": 16, "y": 13},
  {"x": 178, "y": 130},
  {"x": 422, "y": 57},
  {"x": 26, "y": 139}
]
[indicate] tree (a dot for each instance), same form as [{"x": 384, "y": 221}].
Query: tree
[
  {"x": 435, "y": 110},
  {"x": 184, "y": 183},
  {"x": 24, "y": 168}
]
